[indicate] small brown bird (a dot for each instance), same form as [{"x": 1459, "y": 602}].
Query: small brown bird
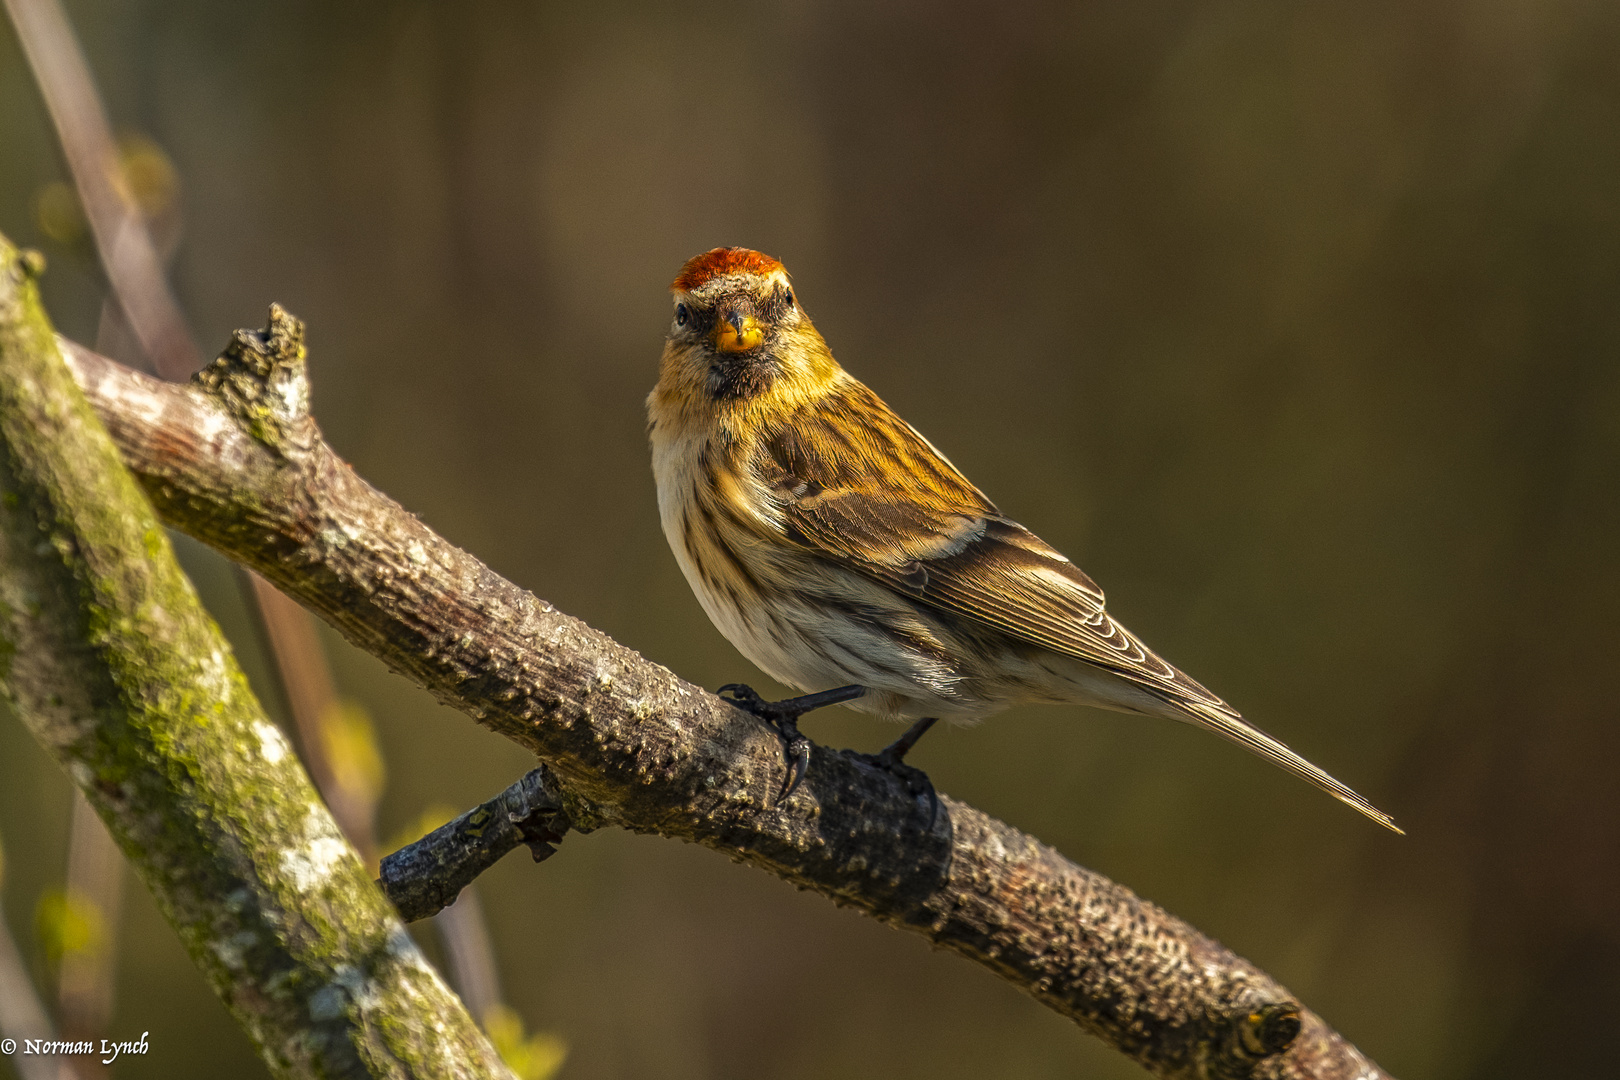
[{"x": 832, "y": 544}]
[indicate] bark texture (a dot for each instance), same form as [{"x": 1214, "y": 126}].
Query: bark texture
[
  {"x": 236, "y": 461},
  {"x": 109, "y": 659}
]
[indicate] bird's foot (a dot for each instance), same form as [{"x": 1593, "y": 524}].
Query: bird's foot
[
  {"x": 783, "y": 717},
  {"x": 892, "y": 759}
]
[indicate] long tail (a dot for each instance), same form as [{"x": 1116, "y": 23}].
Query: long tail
[{"x": 1232, "y": 726}]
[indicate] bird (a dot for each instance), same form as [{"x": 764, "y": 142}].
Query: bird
[{"x": 838, "y": 550}]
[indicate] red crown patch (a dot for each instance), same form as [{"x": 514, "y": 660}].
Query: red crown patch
[{"x": 711, "y": 264}]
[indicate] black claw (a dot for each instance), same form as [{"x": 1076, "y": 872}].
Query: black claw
[
  {"x": 798, "y": 763},
  {"x": 783, "y": 717},
  {"x": 917, "y": 785}
]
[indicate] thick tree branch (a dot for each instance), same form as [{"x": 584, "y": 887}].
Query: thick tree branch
[
  {"x": 111, "y": 662},
  {"x": 237, "y": 462}
]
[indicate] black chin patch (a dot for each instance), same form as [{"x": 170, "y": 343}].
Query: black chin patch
[{"x": 740, "y": 377}]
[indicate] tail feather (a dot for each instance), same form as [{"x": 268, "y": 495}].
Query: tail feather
[{"x": 1232, "y": 726}]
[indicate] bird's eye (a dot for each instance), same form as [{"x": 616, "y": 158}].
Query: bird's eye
[
  {"x": 680, "y": 314},
  {"x": 790, "y": 298}
]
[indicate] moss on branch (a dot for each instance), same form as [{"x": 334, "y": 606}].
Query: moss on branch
[{"x": 113, "y": 665}]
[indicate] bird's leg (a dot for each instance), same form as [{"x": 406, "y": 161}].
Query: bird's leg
[
  {"x": 892, "y": 759},
  {"x": 783, "y": 717},
  {"x": 895, "y": 753}
]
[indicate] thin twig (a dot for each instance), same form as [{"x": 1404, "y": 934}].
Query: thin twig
[
  {"x": 22, "y": 1015},
  {"x": 465, "y": 933},
  {"x": 238, "y": 463},
  {"x": 133, "y": 266},
  {"x": 95, "y": 877}
]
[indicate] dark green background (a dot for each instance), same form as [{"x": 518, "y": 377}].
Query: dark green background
[{"x": 1297, "y": 325}]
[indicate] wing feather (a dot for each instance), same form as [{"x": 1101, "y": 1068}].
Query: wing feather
[
  {"x": 890, "y": 506},
  {"x": 864, "y": 489}
]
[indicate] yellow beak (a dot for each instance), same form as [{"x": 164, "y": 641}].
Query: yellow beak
[{"x": 736, "y": 332}]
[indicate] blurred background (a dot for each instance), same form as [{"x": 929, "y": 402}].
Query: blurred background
[{"x": 1296, "y": 325}]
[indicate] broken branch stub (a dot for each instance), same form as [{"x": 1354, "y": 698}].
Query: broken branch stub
[{"x": 425, "y": 877}]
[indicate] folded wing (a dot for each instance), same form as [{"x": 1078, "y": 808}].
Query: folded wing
[{"x": 859, "y": 486}]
